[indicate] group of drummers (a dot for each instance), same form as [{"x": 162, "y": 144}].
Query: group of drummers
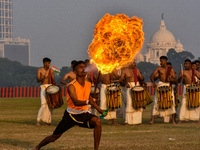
[
  {"x": 124, "y": 92},
  {"x": 121, "y": 92}
]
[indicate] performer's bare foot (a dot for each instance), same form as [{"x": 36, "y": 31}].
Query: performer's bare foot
[
  {"x": 114, "y": 122},
  {"x": 35, "y": 148},
  {"x": 173, "y": 122},
  {"x": 151, "y": 122},
  {"x": 47, "y": 124},
  {"x": 38, "y": 124},
  {"x": 126, "y": 124},
  {"x": 110, "y": 122}
]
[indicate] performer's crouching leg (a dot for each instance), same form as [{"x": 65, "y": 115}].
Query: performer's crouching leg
[
  {"x": 97, "y": 131},
  {"x": 47, "y": 140}
]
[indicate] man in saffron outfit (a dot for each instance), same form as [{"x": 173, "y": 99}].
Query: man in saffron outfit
[
  {"x": 45, "y": 75},
  {"x": 188, "y": 77},
  {"x": 77, "y": 112},
  {"x": 166, "y": 75}
]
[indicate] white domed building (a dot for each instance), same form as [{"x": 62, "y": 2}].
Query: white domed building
[
  {"x": 160, "y": 43},
  {"x": 139, "y": 58}
]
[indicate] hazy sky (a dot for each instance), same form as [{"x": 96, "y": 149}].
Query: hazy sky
[{"x": 63, "y": 29}]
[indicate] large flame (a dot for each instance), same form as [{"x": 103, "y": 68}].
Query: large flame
[{"x": 117, "y": 39}]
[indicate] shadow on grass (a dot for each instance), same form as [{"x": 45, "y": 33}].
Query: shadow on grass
[
  {"x": 14, "y": 142},
  {"x": 28, "y": 122},
  {"x": 23, "y": 144}
]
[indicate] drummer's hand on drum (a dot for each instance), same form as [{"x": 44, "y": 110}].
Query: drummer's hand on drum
[{"x": 127, "y": 85}]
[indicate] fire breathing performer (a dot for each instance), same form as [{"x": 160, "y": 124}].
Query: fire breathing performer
[
  {"x": 92, "y": 73},
  {"x": 45, "y": 76},
  {"x": 70, "y": 76},
  {"x": 166, "y": 75},
  {"x": 132, "y": 76},
  {"x": 190, "y": 109},
  {"x": 77, "y": 112}
]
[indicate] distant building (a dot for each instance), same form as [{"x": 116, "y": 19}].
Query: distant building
[
  {"x": 17, "y": 49},
  {"x": 160, "y": 43},
  {"x": 139, "y": 58},
  {"x": 6, "y": 15}
]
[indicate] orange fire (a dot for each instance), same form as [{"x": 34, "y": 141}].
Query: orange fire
[{"x": 117, "y": 39}]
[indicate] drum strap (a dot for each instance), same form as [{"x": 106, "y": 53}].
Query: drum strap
[
  {"x": 50, "y": 82},
  {"x": 193, "y": 81},
  {"x": 135, "y": 75},
  {"x": 92, "y": 76}
]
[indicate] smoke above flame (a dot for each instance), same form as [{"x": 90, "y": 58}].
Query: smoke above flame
[{"x": 117, "y": 39}]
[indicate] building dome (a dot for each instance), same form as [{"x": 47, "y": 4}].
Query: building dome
[
  {"x": 160, "y": 43},
  {"x": 139, "y": 57},
  {"x": 179, "y": 47},
  {"x": 163, "y": 36}
]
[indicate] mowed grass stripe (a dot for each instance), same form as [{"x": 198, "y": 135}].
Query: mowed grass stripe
[{"x": 18, "y": 131}]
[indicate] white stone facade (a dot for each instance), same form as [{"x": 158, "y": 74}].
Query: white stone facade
[{"x": 160, "y": 43}]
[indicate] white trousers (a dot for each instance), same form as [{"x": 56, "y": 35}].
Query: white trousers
[
  {"x": 163, "y": 113},
  {"x": 103, "y": 105},
  {"x": 187, "y": 114},
  {"x": 133, "y": 116},
  {"x": 44, "y": 113}
]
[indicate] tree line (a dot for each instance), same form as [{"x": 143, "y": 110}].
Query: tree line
[{"x": 14, "y": 74}]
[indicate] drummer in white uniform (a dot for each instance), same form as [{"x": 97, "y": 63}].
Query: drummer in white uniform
[
  {"x": 132, "y": 75},
  {"x": 166, "y": 75},
  {"x": 45, "y": 76},
  {"x": 188, "y": 78}
]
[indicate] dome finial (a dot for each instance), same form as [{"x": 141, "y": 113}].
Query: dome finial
[{"x": 162, "y": 16}]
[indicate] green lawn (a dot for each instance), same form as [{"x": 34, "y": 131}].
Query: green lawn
[{"x": 18, "y": 131}]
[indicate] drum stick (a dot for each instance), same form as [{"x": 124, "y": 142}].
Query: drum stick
[
  {"x": 182, "y": 70},
  {"x": 98, "y": 75}
]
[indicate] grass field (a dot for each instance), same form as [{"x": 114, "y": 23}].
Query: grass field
[{"x": 18, "y": 131}]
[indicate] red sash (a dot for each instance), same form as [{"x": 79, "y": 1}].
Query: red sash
[
  {"x": 92, "y": 76},
  {"x": 168, "y": 72},
  {"x": 193, "y": 81},
  {"x": 135, "y": 75},
  {"x": 50, "y": 81}
]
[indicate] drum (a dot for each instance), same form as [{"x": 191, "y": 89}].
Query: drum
[
  {"x": 96, "y": 95},
  {"x": 54, "y": 96},
  {"x": 140, "y": 97},
  {"x": 113, "y": 96},
  {"x": 164, "y": 94},
  {"x": 192, "y": 92}
]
